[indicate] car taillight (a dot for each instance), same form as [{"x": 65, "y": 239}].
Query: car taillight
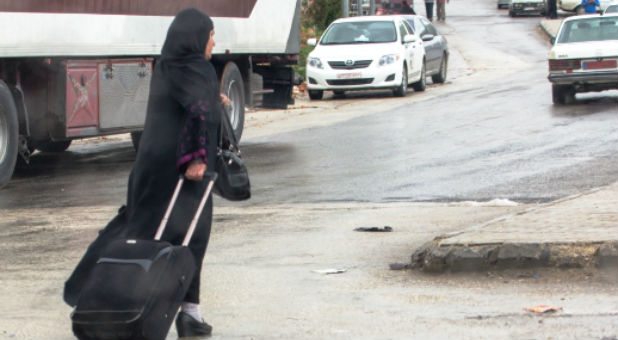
[{"x": 564, "y": 65}]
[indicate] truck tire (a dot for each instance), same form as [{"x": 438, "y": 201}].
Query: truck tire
[
  {"x": 232, "y": 85},
  {"x": 9, "y": 135},
  {"x": 54, "y": 146}
]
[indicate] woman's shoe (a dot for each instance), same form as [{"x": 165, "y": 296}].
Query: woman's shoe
[{"x": 187, "y": 326}]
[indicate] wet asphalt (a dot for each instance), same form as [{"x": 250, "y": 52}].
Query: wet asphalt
[{"x": 490, "y": 132}]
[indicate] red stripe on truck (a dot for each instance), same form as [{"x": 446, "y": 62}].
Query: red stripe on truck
[{"x": 214, "y": 8}]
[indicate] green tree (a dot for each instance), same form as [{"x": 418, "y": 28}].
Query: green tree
[
  {"x": 315, "y": 18},
  {"x": 321, "y": 13}
]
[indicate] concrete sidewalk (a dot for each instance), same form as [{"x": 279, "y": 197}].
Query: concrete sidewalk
[
  {"x": 551, "y": 26},
  {"x": 574, "y": 232}
]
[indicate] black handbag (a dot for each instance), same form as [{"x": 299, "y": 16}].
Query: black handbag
[{"x": 233, "y": 178}]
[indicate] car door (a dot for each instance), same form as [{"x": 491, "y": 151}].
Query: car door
[
  {"x": 415, "y": 52},
  {"x": 408, "y": 47},
  {"x": 433, "y": 50}
]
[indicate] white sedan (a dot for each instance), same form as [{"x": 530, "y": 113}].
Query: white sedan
[
  {"x": 372, "y": 52},
  {"x": 584, "y": 56}
]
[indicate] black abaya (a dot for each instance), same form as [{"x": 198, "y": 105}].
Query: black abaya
[{"x": 182, "y": 122}]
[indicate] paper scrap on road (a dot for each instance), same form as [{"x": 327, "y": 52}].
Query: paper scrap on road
[
  {"x": 375, "y": 229},
  {"x": 399, "y": 266},
  {"x": 329, "y": 271},
  {"x": 498, "y": 202},
  {"x": 543, "y": 309}
]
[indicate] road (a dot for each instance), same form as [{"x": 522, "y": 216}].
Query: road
[
  {"x": 478, "y": 140},
  {"x": 425, "y": 164}
]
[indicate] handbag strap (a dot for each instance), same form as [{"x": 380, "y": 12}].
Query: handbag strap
[{"x": 227, "y": 125}]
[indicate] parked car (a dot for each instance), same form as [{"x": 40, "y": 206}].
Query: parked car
[
  {"x": 611, "y": 9},
  {"x": 368, "y": 52},
  {"x": 575, "y": 5},
  {"x": 503, "y": 4},
  {"x": 436, "y": 46},
  {"x": 584, "y": 56},
  {"x": 526, "y": 7}
]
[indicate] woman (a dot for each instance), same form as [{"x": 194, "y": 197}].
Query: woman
[{"x": 180, "y": 137}]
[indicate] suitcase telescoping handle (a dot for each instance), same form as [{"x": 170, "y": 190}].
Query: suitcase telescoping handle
[{"x": 196, "y": 217}]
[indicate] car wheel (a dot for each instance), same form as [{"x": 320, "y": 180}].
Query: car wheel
[
  {"x": 53, "y": 146},
  {"x": 421, "y": 84},
  {"x": 512, "y": 14},
  {"x": 441, "y": 76},
  {"x": 562, "y": 94},
  {"x": 402, "y": 89},
  {"x": 316, "y": 94},
  {"x": 9, "y": 135}
]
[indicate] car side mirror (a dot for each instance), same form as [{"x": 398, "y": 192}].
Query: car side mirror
[
  {"x": 553, "y": 41},
  {"x": 409, "y": 38},
  {"x": 427, "y": 37},
  {"x": 312, "y": 41}
]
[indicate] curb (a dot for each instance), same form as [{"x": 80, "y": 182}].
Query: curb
[
  {"x": 433, "y": 258},
  {"x": 585, "y": 238},
  {"x": 546, "y": 29},
  {"x": 549, "y": 27}
]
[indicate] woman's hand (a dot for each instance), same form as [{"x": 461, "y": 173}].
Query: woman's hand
[
  {"x": 195, "y": 170},
  {"x": 225, "y": 100}
]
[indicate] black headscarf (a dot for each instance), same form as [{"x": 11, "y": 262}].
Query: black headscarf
[
  {"x": 193, "y": 79},
  {"x": 187, "y": 37}
]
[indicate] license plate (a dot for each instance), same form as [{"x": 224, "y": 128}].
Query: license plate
[
  {"x": 349, "y": 75},
  {"x": 598, "y": 65}
]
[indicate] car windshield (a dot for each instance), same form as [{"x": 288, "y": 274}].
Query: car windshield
[
  {"x": 360, "y": 32},
  {"x": 590, "y": 29},
  {"x": 611, "y": 9}
]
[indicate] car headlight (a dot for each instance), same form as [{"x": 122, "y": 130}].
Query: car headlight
[
  {"x": 388, "y": 59},
  {"x": 315, "y": 62}
]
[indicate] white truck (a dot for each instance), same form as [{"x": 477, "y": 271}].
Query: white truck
[{"x": 76, "y": 69}]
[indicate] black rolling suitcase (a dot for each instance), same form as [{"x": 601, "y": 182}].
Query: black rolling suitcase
[
  {"x": 137, "y": 286},
  {"x": 116, "y": 229}
]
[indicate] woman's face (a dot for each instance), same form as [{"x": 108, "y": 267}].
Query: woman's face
[{"x": 210, "y": 45}]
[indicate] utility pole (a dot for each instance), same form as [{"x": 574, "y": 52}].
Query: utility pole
[{"x": 345, "y": 8}]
